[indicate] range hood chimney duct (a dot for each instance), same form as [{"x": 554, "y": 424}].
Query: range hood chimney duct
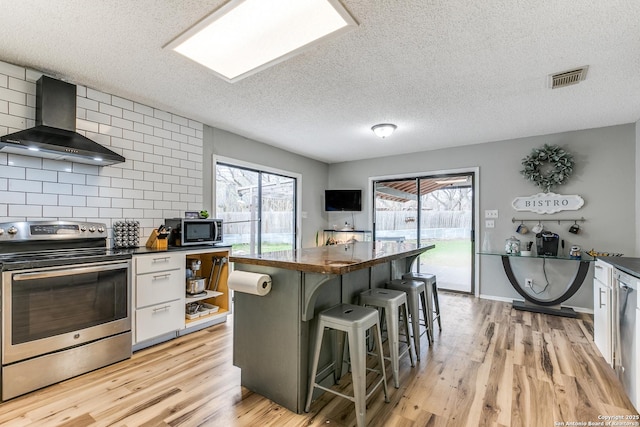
[{"x": 55, "y": 136}]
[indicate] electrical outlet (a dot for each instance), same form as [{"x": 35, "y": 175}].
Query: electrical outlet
[
  {"x": 528, "y": 283},
  {"x": 489, "y": 223},
  {"x": 491, "y": 214}
]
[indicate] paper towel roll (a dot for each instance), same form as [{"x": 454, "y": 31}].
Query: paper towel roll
[{"x": 250, "y": 283}]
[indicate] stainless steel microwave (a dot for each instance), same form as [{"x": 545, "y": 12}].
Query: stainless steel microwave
[{"x": 189, "y": 232}]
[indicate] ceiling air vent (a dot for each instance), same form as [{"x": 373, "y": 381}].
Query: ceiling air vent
[{"x": 567, "y": 78}]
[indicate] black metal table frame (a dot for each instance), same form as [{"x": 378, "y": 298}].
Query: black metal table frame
[{"x": 551, "y": 306}]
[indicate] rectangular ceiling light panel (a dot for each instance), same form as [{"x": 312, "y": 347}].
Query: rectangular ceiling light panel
[{"x": 246, "y": 36}]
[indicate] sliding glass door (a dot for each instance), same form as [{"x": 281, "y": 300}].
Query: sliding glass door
[
  {"x": 431, "y": 210},
  {"x": 258, "y": 209}
]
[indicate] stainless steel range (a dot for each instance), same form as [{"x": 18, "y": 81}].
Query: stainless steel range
[{"x": 65, "y": 303}]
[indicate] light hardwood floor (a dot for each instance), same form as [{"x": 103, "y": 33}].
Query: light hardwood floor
[{"x": 490, "y": 366}]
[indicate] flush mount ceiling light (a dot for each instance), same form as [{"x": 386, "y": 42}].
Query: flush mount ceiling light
[
  {"x": 383, "y": 130},
  {"x": 247, "y": 36}
]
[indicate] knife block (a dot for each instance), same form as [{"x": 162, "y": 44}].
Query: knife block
[{"x": 157, "y": 241}]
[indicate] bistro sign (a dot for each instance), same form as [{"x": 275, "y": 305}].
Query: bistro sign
[{"x": 547, "y": 203}]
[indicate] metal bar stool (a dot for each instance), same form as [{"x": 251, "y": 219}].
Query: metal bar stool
[
  {"x": 355, "y": 321},
  {"x": 415, "y": 291},
  {"x": 433, "y": 303},
  {"x": 393, "y": 303}
]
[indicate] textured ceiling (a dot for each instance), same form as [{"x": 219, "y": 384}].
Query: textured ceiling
[{"x": 447, "y": 72}]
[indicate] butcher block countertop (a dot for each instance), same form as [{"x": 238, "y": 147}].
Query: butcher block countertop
[{"x": 334, "y": 259}]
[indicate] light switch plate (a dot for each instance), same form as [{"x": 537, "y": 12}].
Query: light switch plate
[
  {"x": 489, "y": 223},
  {"x": 491, "y": 213}
]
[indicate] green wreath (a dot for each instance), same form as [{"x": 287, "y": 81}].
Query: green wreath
[{"x": 547, "y": 166}]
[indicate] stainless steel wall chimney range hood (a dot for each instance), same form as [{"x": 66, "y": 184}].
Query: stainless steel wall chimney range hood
[{"x": 54, "y": 136}]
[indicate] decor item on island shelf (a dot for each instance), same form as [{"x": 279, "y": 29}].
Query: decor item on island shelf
[
  {"x": 522, "y": 229},
  {"x": 575, "y": 228},
  {"x": 512, "y": 246},
  {"x": 548, "y": 166},
  {"x": 527, "y": 249},
  {"x": 575, "y": 253},
  {"x": 595, "y": 253}
]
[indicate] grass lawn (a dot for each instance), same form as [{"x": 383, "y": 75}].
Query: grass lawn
[{"x": 449, "y": 253}]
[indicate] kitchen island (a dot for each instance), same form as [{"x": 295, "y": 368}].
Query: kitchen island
[{"x": 271, "y": 336}]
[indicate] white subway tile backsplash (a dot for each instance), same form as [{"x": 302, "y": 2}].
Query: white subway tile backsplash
[
  {"x": 56, "y": 188},
  {"x": 143, "y": 109},
  {"x": 13, "y": 122},
  {"x": 56, "y": 212},
  {"x": 42, "y": 199},
  {"x": 71, "y": 178},
  {"x": 25, "y": 211},
  {"x": 87, "y": 104},
  {"x": 122, "y": 203},
  {"x": 98, "y": 96},
  {"x": 121, "y": 183},
  {"x": 187, "y": 131},
  {"x": 67, "y": 200},
  {"x": 87, "y": 125},
  {"x": 12, "y": 70},
  {"x": 85, "y": 213},
  {"x": 12, "y": 172},
  {"x": 21, "y": 85},
  {"x": 95, "y": 116},
  {"x": 111, "y": 131},
  {"x": 121, "y": 102},
  {"x": 122, "y": 123},
  {"x": 142, "y": 128},
  {"x": 14, "y": 197},
  {"x": 84, "y": 190},
  {"x": 110, "y": 192},
  {"x": 110, "y": 110},
  {"x": 100, "y": 202},
  {"x": 98, "y": 180},
  {"x": 42, "y": 175},
  {"x": 21, "y": 110},
  {"x": 56, "y": 165},
  {"x": 151, "y": 185}
]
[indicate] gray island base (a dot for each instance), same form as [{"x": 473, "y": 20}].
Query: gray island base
[{"x": 272, "y": 334}]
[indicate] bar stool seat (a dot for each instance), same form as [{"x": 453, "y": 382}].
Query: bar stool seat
[
  {"x": 415, "y": 291},
  {"x": 354, "y": 321},
  {"x": 433, "y": 304},
  {"x": 392, "y": 303}
]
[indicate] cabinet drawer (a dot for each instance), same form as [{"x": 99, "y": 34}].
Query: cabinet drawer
[
  {"x": 159, "y": 262},
  {"x": 602, "y": 272},
  {"x": 159, "y": 319},
  {"x": 155, "y": 288}
]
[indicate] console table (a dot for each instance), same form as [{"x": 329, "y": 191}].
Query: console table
[{"x": 539, "y": 305}]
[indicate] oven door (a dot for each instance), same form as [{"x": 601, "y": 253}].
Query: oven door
[{"x": 50, "y": 309}]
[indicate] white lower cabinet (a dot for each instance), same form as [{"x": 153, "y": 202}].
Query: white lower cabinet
[
  {"x": 158, "y": 283},
  {"x": 603, "y": 310},
  {"x": 159, "y": 319}
]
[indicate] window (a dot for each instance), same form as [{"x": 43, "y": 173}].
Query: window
[{"x": 258, "y": 209}]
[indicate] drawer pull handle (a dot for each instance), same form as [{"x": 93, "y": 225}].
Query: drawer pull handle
[
  {"x": 161, "y": 276},
  {"x": 602, "y": 291},
  {"x": 165, "y": 259},
  {"x": 599, "y": 267},
  {"x": 163, "y": 308}
]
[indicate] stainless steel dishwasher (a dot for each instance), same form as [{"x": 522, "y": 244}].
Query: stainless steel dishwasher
[{"x": 625, "y": 358}]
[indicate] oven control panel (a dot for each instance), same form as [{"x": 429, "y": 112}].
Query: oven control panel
[{"x": 51, "y": 230}]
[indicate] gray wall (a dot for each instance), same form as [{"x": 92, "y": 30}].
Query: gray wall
[
  {"x": 637, "y": 193},
  {"x": 314, "y": 173},
  {"x": 604, "y": 176}
]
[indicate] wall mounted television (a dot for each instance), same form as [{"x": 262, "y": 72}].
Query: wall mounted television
[{"x": 342, "y": 200}]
